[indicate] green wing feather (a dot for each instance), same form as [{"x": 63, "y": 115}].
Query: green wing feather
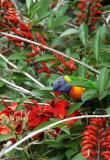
[{"x": 80, "y": 82}]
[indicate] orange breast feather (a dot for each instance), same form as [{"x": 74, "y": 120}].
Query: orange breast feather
[{"x": 76, "y": 92}]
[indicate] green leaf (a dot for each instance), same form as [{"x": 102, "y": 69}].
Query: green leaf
[
  {"x": 20, "y": 153},
  {"x": 73, "y": 108},
  {"x": 62, "y": 137},
  {"x": 108, "y": 111},
  {"x": 66, "y": 130},
  {"x": 33, "y": 11},
  {"x": 43, "y": 125},
  {"x": 104, "y": 94},
  {"x": 45, "y": 58},
  {"x": 1, "y": 84},
  {"x": 42, "y": 93},
  {"x": 69, "y": 153},
  {"x": 47, "y": 89},
  {"x": 90, "y": 94},
  {"x": 78, "y": 157},
  {"x": 44, "y": 5},
  {"x": 5, "y": 137},
  {"x": 69, "y": 32},
  {"x": 102, "y": 31},
  {"x": 61, "y": 10},
  {"x": 82, "y": 70},
  {"x": 59, "y": 21},
  {"x": 83, "y": 33},
  {"x": 28, "y": 3},
  {"x": 103, "y": 80},
  {"x": 17, "y": 56},
  {"x": 97, "y": 46},
  {"x": 54, "y": 158}
]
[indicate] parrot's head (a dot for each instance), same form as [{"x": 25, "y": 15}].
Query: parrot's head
[{"x": 61, "y": 85}]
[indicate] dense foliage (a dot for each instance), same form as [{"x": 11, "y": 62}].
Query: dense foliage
[{"x": 55, "y": 79}]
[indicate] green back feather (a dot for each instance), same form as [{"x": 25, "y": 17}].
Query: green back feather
[{"x": 80, "y": 82}]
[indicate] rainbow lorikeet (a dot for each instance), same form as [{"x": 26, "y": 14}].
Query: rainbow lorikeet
[{"x": 72, "y": 86}]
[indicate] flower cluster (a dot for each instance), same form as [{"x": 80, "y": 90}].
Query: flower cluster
[
  {"x": 66, "y": 65},
  {"x": 63, "y": 66},
  {"x": 32, "y": 115},
  {"x": 11, "y": 120},
  {"x": 90, "y": 13},
  {"x": 9, "y": 20},
  {"x": 8, "y": 15},
  {"x": 44, "y": 69},
  {"x": 96, "y": 141}
]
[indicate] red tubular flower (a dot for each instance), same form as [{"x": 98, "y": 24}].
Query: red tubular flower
[
  {"x": 36, "y": 49},
  {"x": 10, "y": 21},
  {"x": 40, "y": 38},
  {"x": 60, "y": 68},
  {"x": 66, "y": 65},
  {"x": 98, "y": 122},
  {"x": 4, "y": 130},
  {"x": 31, "y": 55},
  {"x": 24, "y": 27},
  {"x": 44, "y": 69},
  {"x": 9, "y": 12},
  {"x": 60, "y": 108},
  {"x": 13, "y": 118},
  {"x": 89, "y": 145},
  {"x": 90, "y": 13},
  {"x": 74, "y": 114},
  {"x": 70, "y": 65},
  {"x": 96, "y": 140},
  {"x": 37, "y": 114}
]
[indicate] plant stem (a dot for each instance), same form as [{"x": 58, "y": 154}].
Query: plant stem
[{"x": 52, "y": 50}]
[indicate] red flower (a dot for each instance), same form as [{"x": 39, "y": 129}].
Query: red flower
[
  {"x": 70, "y": 65},
  {"x": 36, "y": 49},
  {"x": 37, "y": 114},
  {"x": 74, "y": 114},
  {"x": 90, "y": 13},
  {"x": 44, "y": 69},
  {"x": 60, "y": 108},
  {"x": 59, "y": 112},
  {"x": 4, "y": 130},
  {"x": 13, "y": 106},
  {"x": 8, "y": 110},
  {"x": 12, "y": 117},
  {"x": 8, "y": 12},
  {"x": 24, "y": 27},
  {"x": 31, "y": 55},
  {"x": 96, "y": 140}
]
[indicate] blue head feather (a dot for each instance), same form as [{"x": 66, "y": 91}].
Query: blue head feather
[{"x": 61, "y": 85}]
